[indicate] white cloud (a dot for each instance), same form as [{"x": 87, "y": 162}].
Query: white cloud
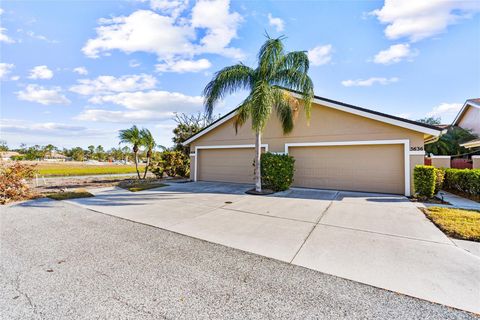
[
  {"x": 39, "y": 94},
  {"x": 141, "y": 106},
  {"x": 33, "y": 35},
  {"x": 394, "y": 54},
  {"x": 168, "y": 36},
  {"x": 41, "y": 72},
  {"x": 320, "y": 55},
  {"x": 81, "y": 71},
  {"x": 151, "y": 100},
  {"x": 278, "y": 23},
  {"x": 220, "y": 27},
  {"x": 15, "y": 78},
  {"x": 4, "y": 37},
  {"x": 134, "y": 63},
  {"x": 15, "y": 127},
  {"x": 418, "y": 20},
  {"x": 111, "y": 84},
  {"x": 368, "y": 82},
  {"x": 5, "y": 68},
  {"x": 3, "y": 33},
  {"x": 182, "y": 66},
  {"x": 445, "y": 110},
  {"x": 102, "y": 115},
  {"x": 170, "y": 7}
]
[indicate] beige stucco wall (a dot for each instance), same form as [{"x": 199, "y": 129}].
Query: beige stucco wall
[
  {"x": 326, "y": 124},
  {"x": 476, "y": 162},
  {"x": 471, "y": 119},
  {"x": 441, "y": 161}
]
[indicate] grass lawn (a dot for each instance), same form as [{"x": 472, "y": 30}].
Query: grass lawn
[
  {"x": 82, "y": 169},
  {"x": 75, "y": 194},
  {"x": 135, "y": 186},
  {"x": 456, "y": 223}
]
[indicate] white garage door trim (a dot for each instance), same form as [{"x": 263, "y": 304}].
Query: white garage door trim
[
  {"x": 233, "y": 146},
  {"x": 406, "y": 151}
]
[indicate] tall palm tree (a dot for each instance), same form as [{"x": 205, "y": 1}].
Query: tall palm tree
[
  {"x": 132, "y": 136},
  {"x": 275, "y": 69},
  {"x": 149, "y": 143}
]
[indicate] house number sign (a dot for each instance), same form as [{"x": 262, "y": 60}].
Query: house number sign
[{"x": 416, "y": 149}]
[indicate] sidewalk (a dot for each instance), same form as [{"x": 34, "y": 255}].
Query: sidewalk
[{"x": 457, "y": 201}]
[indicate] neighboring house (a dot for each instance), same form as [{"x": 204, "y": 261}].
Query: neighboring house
[
  {"x": 55, "y": 157},
  {"x": 343, "y": 147},
  {"x": 469, "y": 118},
  {"x": 7, "y": 155}
]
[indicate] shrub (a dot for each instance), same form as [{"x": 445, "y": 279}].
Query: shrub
[
  {"x": 277, "y": 171},
  {"x": 13, "y": 184},
  {"x": 463, "y": 180},
  {"x": 171, "y": 163},
  {"x": 440, "y": 177},
  {"x": 424, "y": 178}
]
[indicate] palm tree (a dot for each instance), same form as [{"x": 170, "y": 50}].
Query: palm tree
[
  {"x": 133, "y": 137},
  {"x": 276, "y": 69},
  {"x": 149, "y": 143}
]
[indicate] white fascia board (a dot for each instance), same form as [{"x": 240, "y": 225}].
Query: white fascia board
[{"x": 464, "y": 107}]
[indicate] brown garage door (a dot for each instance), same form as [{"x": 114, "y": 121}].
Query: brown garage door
[
  {"x": 227, "y": 165},
  {"x": 372, "y": 168}
]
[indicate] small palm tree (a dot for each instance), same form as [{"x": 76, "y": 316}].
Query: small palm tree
[
  {"x": 276, "y": 69},
  {"x": 132, "y": 136},
  {"x": 149, "y": 143}
]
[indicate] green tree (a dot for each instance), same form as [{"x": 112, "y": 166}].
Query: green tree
[
  {"x": 275, "y": 69},
  {"x": 132, "y": 136},
  {"x": 91, "y": 151},
  {"x": 100, "y": 153},
  {"x": 431, "y": 120},
  {"x": 49, "y": 149},
  {"x": 77, "y": 154},
  {"x": 3, "y": 145},
  {"x": 449, "y": 143},
  {"x": 149, "y": 143}
]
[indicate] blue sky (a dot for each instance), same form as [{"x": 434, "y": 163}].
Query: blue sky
[{"x": 75, "y": 72}]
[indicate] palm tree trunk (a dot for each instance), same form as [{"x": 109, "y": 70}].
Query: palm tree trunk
[
  {"x": 136, "y": 165},
  {"x": 146, "y": 168},
  {"x": 258, "y": 153}
]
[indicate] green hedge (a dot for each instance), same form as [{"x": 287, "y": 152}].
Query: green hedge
[
  {"x": 463, "y": 180},
  {"x": 424, "y": 179},
  {"x": 440, "y": 178},
  {"x": 277, "y": 171}
]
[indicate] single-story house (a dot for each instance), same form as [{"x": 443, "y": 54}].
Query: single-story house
[
  {"x": 342, "y": 147},
  {"x": 469, "y": 118},
  {"x": 7, "y": 155}
]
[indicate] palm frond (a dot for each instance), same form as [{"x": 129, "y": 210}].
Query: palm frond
[
  {"x": 269, "y": 55},
  {"x": 131, "y": 136},
  {"x": 242, "y": 114},
  {"x": 294, "y": 61},
  {"x": 262, "y": 100},
  {"x": 285, "y": 106},
  {"x": 226, "y": 81}
]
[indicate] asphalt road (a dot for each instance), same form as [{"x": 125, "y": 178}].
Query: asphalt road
[{"x": 59, "y": 261}]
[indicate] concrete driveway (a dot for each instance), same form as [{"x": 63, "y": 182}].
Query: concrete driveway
[{"x": 380, "y": 240}]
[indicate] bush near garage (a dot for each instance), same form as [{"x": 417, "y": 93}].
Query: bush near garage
[
  {"x": 277, "y": 171},
  {"x": 424, "y": 179},
  {"x": 440, "y": 178},
  {"x": 463, "y": 181},
  {"x": 171, "y": 163},
  {"x": 13, "y": 181}
]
